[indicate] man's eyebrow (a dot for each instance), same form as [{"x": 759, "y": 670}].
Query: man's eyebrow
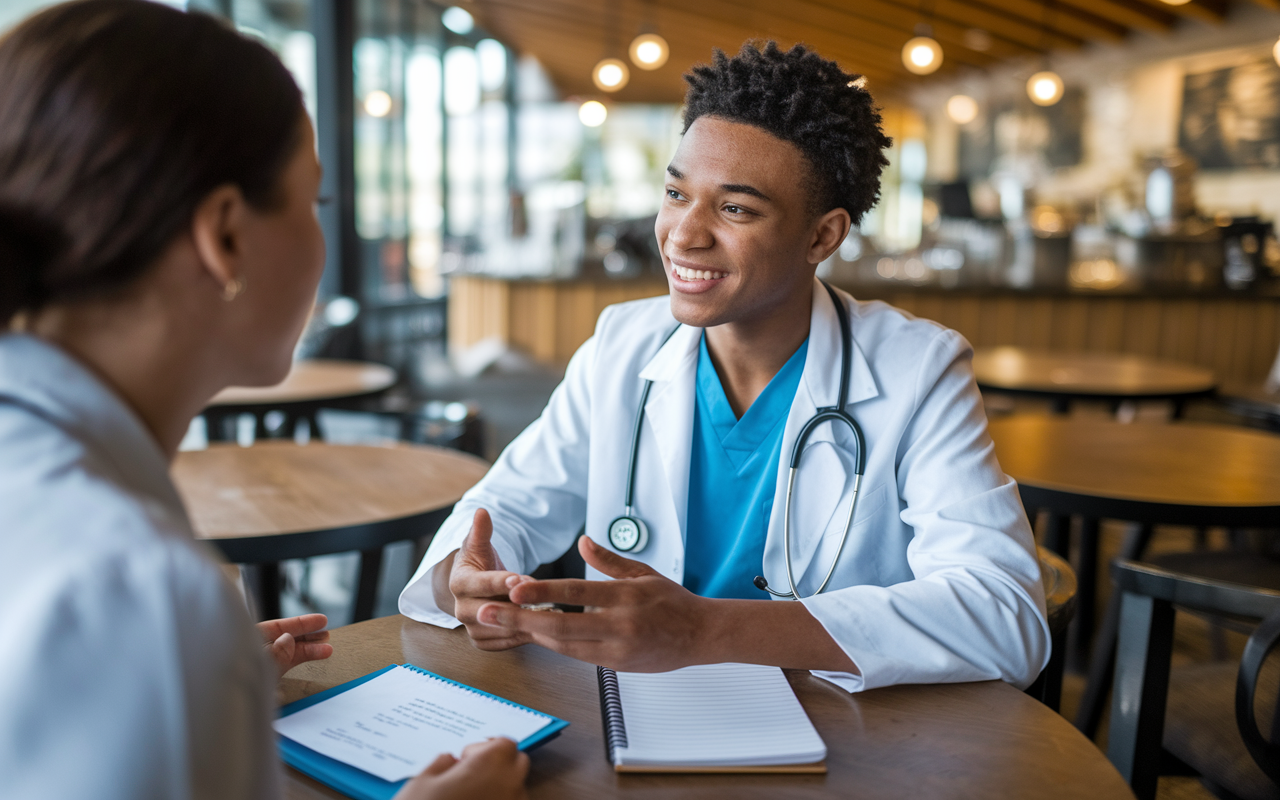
[
  {"x": 742, "y": 188},
  {"x": 673, "y": 172}
]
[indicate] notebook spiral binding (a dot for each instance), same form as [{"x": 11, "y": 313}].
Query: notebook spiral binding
[
  {"x": 615, "y": 730},
  {"x": 471, "y": 689}
]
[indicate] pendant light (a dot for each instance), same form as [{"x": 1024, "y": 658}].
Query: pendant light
[
  {"x": 922, "y": 55},
  {"x": 1275, "y": 51},
  {"x": 1045, "y": 87},
  {"x": 649, "y": 50},
  {"x": 962, "y": 109},
  {"x": 593, "y": 113},
  {"x": 610, "y": 74}
]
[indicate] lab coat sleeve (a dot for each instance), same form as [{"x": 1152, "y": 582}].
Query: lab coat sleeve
[
  {"x": 535, "y": 493},
  {"x": 98, "y": 694},
  {"x": 975, "y": 609}
]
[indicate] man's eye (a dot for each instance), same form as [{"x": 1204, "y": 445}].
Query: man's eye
[
  {"x": 673, "y": 194},
  {"x": 734, "y": 209}
]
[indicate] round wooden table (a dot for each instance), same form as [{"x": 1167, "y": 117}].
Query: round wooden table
[
  {"x": 310, "y": 384},
  {"x": 1063, "y": 377},
  {"x": 984, "y": 740},
  {"x": 278, "y": 500},
  {"x": 1253, "y": 400},
  {"x": 1182, "y": 474}
]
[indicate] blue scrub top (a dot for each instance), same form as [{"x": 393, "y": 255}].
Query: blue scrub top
[{"x": 732, "y": 477}]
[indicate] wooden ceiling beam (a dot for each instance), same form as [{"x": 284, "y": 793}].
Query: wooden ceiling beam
[
  {"x": 1211, "y": 11},
  {"x": 948, "y": 34},
  {"x": 545, "y": 31},
  {"x": 1065, "y": 19},
  {"x": 1132, "y": 13},
  {"x": 966, "y": 16},
  {"x": 1274, "y": 5}
]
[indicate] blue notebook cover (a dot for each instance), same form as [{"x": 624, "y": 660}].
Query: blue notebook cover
[{"x": 358, "y": 784}]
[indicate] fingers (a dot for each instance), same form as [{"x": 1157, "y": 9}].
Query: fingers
[
  {"x": 569, "y": 591},
  {"x": 610, "y": 563},
  {"x": 498, "y": 754},
  {"x": 440, "y": 765},
  {"x": 311, "y": 651},
  {"x": 307, "y": 626},
  {"x": 592, "y": 627},
  {"x": 477, "y": 548}
]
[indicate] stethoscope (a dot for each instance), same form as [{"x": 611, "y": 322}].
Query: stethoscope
[{"x": 629, "y": 534}]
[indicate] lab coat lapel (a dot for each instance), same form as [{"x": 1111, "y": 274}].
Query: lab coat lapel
[
  {"x": 824, "y": 477},
  {"x": 669, "y": 412}
]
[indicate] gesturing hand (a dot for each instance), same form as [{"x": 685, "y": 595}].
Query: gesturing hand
[
  {"x": 639, "y": 622},
  {"x": 477, "y": 577},
  {"x": 296, "y": 640},
  {"x": 492, "y": 770}
]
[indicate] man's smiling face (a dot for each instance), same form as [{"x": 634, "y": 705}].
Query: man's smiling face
[{"x": 736, "y": 224}]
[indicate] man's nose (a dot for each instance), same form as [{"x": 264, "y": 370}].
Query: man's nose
[{"x": 693, "y": 230}]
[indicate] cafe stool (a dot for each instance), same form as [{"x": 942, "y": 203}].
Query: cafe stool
[
  {"x": 1060, "y": 596},
  {"x": 1200, "y": 716}
]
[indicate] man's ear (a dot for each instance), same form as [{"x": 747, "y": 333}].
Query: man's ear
[
  {"x": 828, "y": 234},
  {"x": 217, "y": 229}
]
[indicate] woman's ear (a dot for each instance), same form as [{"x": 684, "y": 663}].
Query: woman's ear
[
  {"x": 217, "y": 229},
  {"x": 828, "y": 234}
]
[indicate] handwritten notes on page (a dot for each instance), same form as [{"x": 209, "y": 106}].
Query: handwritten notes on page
[{"x": 396, "y": 724}]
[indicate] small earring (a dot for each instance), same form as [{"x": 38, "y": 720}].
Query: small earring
[{"x": 232, "y": 289}]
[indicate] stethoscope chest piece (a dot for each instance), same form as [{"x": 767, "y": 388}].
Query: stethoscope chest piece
[{"x": 628, "y": 534}]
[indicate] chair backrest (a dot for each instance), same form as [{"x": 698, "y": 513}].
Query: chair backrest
[
  {"x": 1145, "y": 645},
  {"x": 1060, "y": 600}
]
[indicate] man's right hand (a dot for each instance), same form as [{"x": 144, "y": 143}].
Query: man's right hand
[
  {"x": 492, "y": 770},
  {"x": 472, "y": 576}
]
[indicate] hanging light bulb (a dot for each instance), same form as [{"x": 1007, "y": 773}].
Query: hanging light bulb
[
  {"x": 962, "y": 109},
  {"x": 1045, "y": 88},
  {"x": 610, "y": 75},
  {"x": 593, "y": 113},
  {"x": 378, "y": 103},
  {"x": 922, "y": 55},
  {"x": 1275, "y": 51},
  {"x": 1176, "y": 2},
  {"x": 649, "y": 51}
]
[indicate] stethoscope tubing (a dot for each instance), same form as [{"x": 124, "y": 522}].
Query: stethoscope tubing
[{"x": 833, "y": 414}]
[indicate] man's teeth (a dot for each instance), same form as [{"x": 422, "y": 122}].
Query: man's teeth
[{"x": 698, "y": 274}]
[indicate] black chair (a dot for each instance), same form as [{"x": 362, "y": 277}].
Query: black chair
[
  {"x": 1060, "y": 596},
  {"x": 1211, "y": 725}
]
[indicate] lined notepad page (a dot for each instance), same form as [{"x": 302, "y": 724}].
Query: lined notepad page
[{"x": 714, "y": 715}]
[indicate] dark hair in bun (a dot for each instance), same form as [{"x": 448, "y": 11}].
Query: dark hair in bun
[{"x": 117, "y": 117}]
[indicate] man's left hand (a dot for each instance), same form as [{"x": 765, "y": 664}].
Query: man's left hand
[
  {"x": 296, "y": 640},
  {"x": 639, "y": 622}
]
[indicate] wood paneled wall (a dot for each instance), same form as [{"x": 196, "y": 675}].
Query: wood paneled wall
[
  {"x": 548, "y": 320},
  {"x": 1236, "y": 337}
]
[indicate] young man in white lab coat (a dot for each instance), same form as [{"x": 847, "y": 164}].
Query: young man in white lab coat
[{"x": 938, "y": 579}]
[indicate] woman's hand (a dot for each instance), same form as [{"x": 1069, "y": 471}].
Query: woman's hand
[
  {"x": 492, "y": 770},
  {"x": 296, "y": 640}
]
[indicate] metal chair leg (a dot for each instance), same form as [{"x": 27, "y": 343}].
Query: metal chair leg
[{"x": 367, "y": 588}]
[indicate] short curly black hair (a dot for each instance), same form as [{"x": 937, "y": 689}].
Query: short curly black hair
[{"x": 801, "y": 98}]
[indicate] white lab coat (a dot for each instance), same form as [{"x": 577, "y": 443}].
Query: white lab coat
[
  {"x": 938, "y": 581},
  {"x": 130, "y": 668}
]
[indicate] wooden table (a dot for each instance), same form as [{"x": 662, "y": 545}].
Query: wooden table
[
  {"x": 278, "y": 500},
  {"x": 1063, "y": 377},
  {"x": 984, "y": 740},
  {"x": 310, "y": 385},
  {"x": 1182, "y": 474}
]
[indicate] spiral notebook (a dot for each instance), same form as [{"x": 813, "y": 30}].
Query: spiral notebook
[
  {"x": 707, "y": 718},
  {"x": 367, "y": 737}
]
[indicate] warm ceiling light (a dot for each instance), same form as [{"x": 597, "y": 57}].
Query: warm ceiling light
[
  {"x": 649, "y": 51},
  {"x": 1044, "y": 88},
  {"x": 458, "y": 20},
  {"x": 962, "y": 109},
  {"x": 1176, "y": 2},
  {"x": 610, "y": 75},
  {"x": 922, "y": 55},
  {"x": 377, "y": 103},
  {"x": 1275, "y": 51},
  {"x": 593, "y": 113}
]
